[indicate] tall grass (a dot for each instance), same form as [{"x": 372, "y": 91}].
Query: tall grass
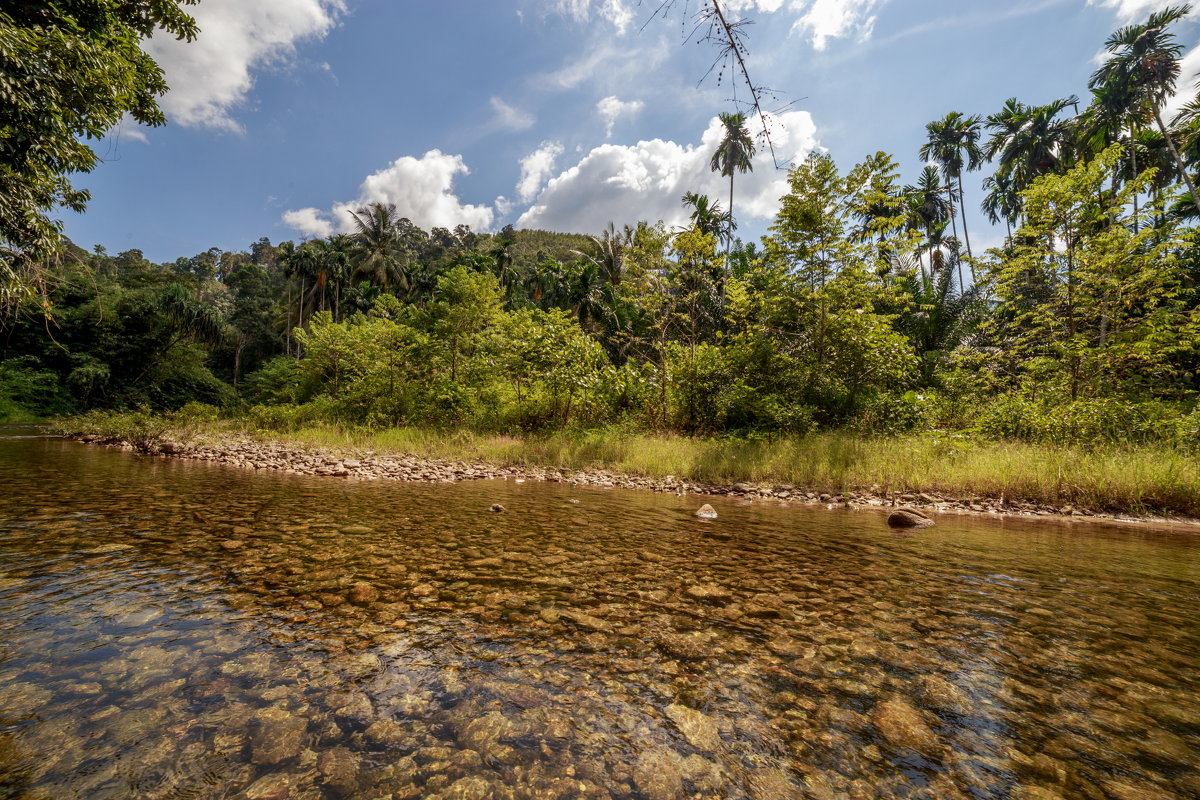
[{"x": 1126, "y": 478}]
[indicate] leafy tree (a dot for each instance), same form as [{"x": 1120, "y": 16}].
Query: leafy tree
[
  {"x": 69, "y": 71},
  {"x": 1103, "y": 310}
]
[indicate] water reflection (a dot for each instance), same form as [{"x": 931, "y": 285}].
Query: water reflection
[{"x": 174, "y": 629}]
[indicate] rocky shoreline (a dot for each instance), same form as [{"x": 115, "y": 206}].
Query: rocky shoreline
[{"x": 367, "y": 465}]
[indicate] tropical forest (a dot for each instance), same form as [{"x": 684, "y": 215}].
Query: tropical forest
[{"x": 865, "y": 501}]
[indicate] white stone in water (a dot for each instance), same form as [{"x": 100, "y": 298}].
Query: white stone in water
[{"x": 706, "y": 512}]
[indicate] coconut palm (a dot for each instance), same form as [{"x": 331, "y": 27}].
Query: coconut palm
[
  {"x": 1144, "y": 65},
  {"x": 734, "y": 153},
  {"x": 953, "y": 144},
  {"x": 380, "y": 257}
]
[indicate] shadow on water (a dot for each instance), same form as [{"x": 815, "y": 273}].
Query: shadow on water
[{"x": 171, "y": 629}]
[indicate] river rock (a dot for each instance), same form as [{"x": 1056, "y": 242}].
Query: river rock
[
  {"x": 902, "y": 727},
  {"x": 699, "y": 729},
  {"x": 386, "y": 733},
  {"x": 496, "y": 508},
  {"x": 658, "y": 774},
  {"x": 909, "y": 518},
  {"x": 339, "y": 767},
  {"x": 709, "y": 593},
  {"x": 484, "y": 735},
  {"x": 586, "y": 621},
  {"x": 1034, "y": 793},
  {"x": 362, "y": 594},
  {"x": 273, "y": 786},
  {"x": 469, "y": 788},
  {"x": 706, "y": 512},
  {"x": 279, "y": 738},
  {"x": 356, "y": 710}
]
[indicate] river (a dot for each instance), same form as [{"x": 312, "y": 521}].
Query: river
[{"x": 173, "y": 629}]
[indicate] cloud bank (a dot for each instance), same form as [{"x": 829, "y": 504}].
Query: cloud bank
[
  {"x": 627, "y": 183},
  {"x": 213, "y": 75},
  {"x": 422, "y": 189}
]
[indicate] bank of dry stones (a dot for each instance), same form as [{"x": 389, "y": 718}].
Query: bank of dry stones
[{"x": 251, "y": 454}]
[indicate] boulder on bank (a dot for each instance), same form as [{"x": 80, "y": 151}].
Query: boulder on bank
[{"x": 909, "y": 518}]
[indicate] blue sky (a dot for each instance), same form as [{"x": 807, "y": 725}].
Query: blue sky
[{"x": 559, "y": 114}]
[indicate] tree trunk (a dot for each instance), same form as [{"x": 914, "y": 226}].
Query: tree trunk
[
  {"x": 962, "y": 204},
  {"x": 1133, "y": 161},
  {"x": 729, "y": 236},
  {"x": 1187, "y": 179},
  {"x": 954, "y": 228}
]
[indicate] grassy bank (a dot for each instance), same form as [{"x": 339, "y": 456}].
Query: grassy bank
[
  {"x": 1115, "y": 478},
  {"x": 1136, "y": 479}
]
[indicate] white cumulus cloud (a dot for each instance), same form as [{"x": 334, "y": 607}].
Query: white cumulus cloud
[
  {"x": 422, "y": 189},
  {"x": 212, "y": 75},
  {"x": 308, "y": 221},
  {"x": 536, "y": 168},
  {"x": 832, "y": 19},
  {"x": 646, "y": 181},
  {"x": 613, "y": 108}
]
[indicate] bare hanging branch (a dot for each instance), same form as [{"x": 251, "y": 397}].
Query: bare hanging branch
[{"x": 713, "y": 26}]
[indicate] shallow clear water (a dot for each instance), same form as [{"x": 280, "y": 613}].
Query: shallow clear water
[{"x": 173, "y": 629}]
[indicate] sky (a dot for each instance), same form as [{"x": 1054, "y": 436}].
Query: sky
[{"x": 284, "y": 115}]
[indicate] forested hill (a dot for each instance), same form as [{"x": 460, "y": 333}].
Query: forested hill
[
  {"x": 855, "y": 311},
  {"x": 865, "y": 306}
]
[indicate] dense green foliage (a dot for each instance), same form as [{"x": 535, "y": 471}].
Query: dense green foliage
[
  {"x": 859, "y": 309},
  {"x": 69, "y": 71}
]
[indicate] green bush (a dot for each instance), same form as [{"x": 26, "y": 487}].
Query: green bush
[
  {"x": 28, "y": 392},
  {"x": 890, "y": 413},
  {"x": 142, "y": 428},
  {"x": 1085, "y": 421},
  {"x": 288, "y": 417}
]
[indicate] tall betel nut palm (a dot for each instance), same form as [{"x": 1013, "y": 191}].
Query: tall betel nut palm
[
  {"x": 734, "y": 153},
  {"x": 1143, "y": 65},
  {"x": 953, "y": 145}
]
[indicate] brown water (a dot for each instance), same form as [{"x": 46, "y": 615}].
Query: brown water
[{"x": 181, "y": 630}]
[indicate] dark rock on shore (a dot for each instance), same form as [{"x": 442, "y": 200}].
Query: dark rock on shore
[{"x": 909, "y": 518}]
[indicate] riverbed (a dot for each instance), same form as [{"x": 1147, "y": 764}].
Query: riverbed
[{"x": 174, "y": 629}]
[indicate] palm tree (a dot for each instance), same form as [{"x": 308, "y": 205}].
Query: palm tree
[
  {"x": 953, "y": 144},
  {"x": 734, "y": 153},
  {"x": 379, "y": 254},
  {"x": 707, "y": 216},
  {"x": 929, "y": 208},
  {"x": 1030, "y": 141},
  {"x": 941, "y": 319},
  {"x": 1144, "y": 64},
  {"x": 610, "y": 252},
  {"x": 1001, "y": 201}
]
